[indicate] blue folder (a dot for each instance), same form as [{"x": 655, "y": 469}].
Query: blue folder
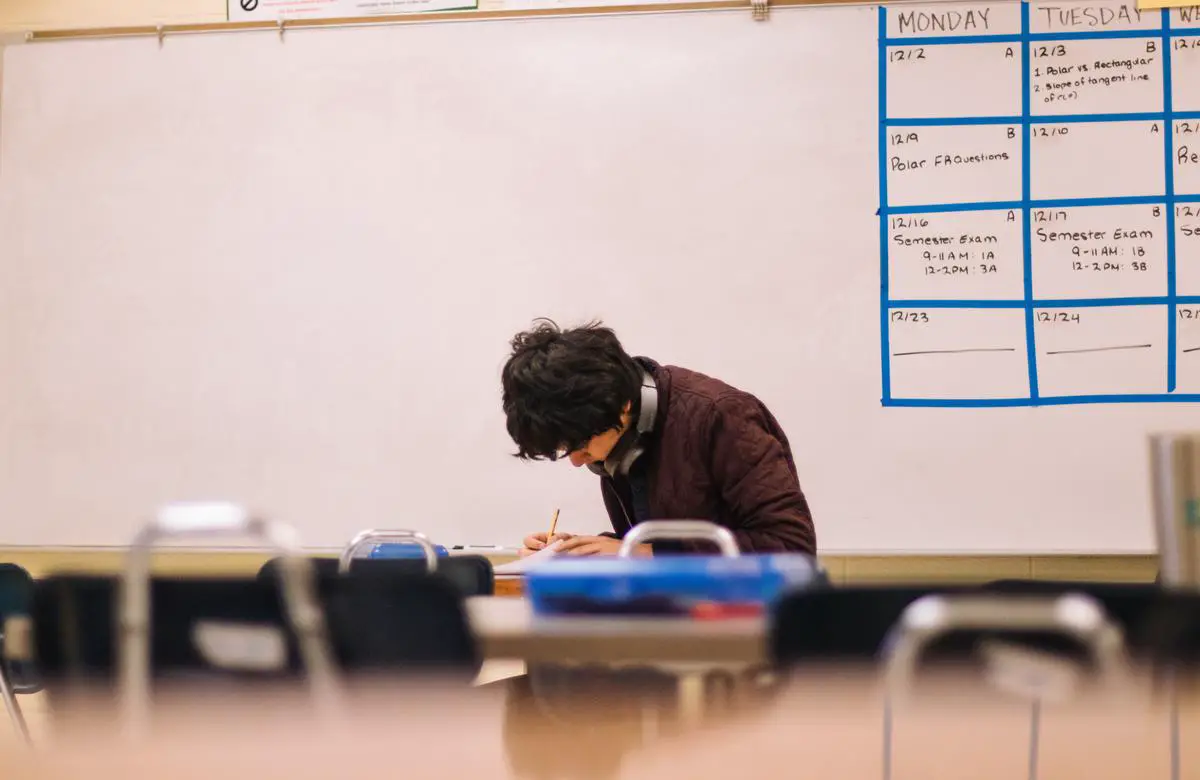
[
  {"x": 692, "y": 585},
  {"x": 404, "y": 550}
]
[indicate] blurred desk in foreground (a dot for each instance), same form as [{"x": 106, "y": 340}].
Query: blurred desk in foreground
[
  {"x": 507, "y": 628},
  {"x": 829, "y": 725},
  {"x": 510, "y": 585}
]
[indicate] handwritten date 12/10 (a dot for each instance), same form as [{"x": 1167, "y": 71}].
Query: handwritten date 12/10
[
  {"x": 910, "y": 316},
  {"x": 1062, "y": 317}
]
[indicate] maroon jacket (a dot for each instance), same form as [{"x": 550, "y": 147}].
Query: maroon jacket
[{"x": 715, "y": 453}]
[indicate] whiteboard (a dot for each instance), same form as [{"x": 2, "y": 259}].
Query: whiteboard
[{"x": 285, "y": 273}]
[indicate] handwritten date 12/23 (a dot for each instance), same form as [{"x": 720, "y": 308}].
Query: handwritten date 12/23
[{"x": 920, "y": 317}]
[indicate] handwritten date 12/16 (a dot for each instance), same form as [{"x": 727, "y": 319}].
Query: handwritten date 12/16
[
  {"x": 1062, "y": 317},
  {"x": 910, "y": 316}
]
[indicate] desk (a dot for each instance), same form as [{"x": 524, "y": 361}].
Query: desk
[
  {"x": 510, "y": 585},
  {"x": 828, "y": 726},
  {"x": 507, "y": 628}
]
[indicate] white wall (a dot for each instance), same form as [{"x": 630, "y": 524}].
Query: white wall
[
  {"x": 293, "y": 289},
  {"x": 59, "y": 14}
]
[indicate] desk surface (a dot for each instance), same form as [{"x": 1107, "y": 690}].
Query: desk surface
[{"x": 507, "y": 628}]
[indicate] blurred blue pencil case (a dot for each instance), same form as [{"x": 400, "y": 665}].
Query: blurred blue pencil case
[
  {"x": 402, "y": 550},
  {"x": 684, "y": 585}
]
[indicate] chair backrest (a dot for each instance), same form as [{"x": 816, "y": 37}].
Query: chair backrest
[
  {"x": 377, "y": 622},
  {"x": 1161, "y": 625},
  {"x": 325, "y": 567},
  {"x": 16, "y": 589},
  {"x": 839, "y": 624},
  {"x": 471, "y": 575},
  {"x": 854, "y": 625},
  {"x": 16, "y": 600},
  {"x": 75, "y": 621},
  {"x": 851, "y": 624},
  {"x": 384, "y": 619}
]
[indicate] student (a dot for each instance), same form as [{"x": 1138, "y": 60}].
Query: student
[{"x": 666, "y": 442}]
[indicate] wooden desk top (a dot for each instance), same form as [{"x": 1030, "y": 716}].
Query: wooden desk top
[{"x": 508, "y": 628}]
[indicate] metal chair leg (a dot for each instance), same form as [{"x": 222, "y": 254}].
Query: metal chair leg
[
  {"x": 1173, "y": 693},
  {"x": 887, "y": 738},
  {"x": 1035, "y": 729},
  {"x": 14, "y": 709}
]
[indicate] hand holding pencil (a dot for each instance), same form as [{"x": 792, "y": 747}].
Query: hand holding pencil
[{"x": 535, "y": 542}]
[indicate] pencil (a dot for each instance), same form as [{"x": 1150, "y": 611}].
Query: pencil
[{"x": 553, "y": 525}]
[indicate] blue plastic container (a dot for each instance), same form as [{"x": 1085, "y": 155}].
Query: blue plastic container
[
  {"x": 404, "y": 550},
  {"x": 674, "y": 585}
]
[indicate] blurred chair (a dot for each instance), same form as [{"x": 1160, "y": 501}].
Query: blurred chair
[
  {"x": 471, "y": 575},
  {"x": 1034, "y": 646},
  {"x": 839, "y": 625},
  {"x": 238, "y": 629},
  {"x": 1031, "y": 643},
  {"x": 16, "y": 677},
  {"x": 138, "y": 635}
]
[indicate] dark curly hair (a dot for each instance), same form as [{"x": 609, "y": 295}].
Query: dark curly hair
[{"x": 562, "y": 387}]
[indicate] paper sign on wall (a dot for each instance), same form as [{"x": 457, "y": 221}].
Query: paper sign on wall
[{"x": 273, "y": 10}]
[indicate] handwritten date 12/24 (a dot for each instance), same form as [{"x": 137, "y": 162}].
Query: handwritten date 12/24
[{"x": 1059, "y": 317}]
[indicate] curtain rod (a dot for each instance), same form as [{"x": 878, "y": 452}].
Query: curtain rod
[{"x": 163, "y": 30}]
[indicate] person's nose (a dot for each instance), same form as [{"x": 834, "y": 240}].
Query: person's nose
[{"x": 579, "y": 458}]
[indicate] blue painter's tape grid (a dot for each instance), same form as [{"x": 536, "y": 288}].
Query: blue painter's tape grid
[
  {"x": 1046, "y": 400},
  {"x": 1026, "y": 231},
  {"x": 1038, "y": 303},
  {"x": 1169, "y": 208},
  {"x": 1041, "y": 119},
  {"x": 885, "y": 351},
  {"x": 1168, "y": 199}
]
